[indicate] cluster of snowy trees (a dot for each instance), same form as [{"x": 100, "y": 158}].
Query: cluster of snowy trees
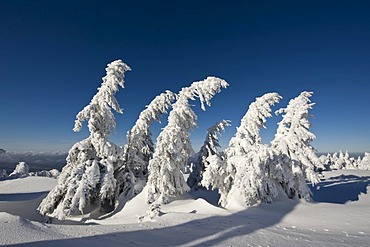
[
  {"x": 250, "y": 172},
  {"x": 99, "y": 173},
  {"x": 342, "y": 160},
  {"x": 22, "y": 170}
]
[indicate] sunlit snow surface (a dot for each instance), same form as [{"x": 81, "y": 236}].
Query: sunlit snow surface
[{"x": 339, "y": 217}]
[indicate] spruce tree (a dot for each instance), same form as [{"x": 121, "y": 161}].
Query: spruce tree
[
  {"x": 209, "y": 148},
  {"x": 87, "y": 181},
  {"x": 295, "y": 158},
  {"x": 139, "y": 148},
  {"x": 173, "y": 146},
  {"x": 245, "y": 165}
]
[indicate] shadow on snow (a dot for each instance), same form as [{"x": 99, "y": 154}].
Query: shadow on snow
[
  {"x": 340, "y": 189},
  {"x": 199, "y": 232}
]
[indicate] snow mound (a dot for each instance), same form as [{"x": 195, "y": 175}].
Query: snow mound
[
  {"x": 25, "y": 231},
  {"x": 23, "y": 195},
  {"x": 182, "y": 209}
]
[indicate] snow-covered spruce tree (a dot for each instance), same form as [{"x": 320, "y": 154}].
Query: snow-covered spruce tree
[
  {"x": 139, "y": 148},
  {"x": 345, "y": 160},
  {"x": 173, "y": 146},
  {"x": 294, "y": 158},
  {"x": 87, "y": 182},
  {"x": 20, "y": 171},
  {"x": 247, "y": 159},
  {"x": 365, "y": 162},
  {"x": 341, "y": 162},
  {"x": 210, "y": 147}
]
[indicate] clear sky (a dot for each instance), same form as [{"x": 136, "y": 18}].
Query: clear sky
[{"x": 53, "y": 55}]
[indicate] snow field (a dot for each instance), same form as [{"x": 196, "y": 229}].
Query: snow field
[{"x": 193, "y": 221}]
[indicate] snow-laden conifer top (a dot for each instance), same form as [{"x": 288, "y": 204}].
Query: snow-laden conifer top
[{"x": 98, "y": 119}]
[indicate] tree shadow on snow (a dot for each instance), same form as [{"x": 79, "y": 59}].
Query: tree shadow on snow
[
  {"x": 22, "y": 196},
  {"x": 340, "y": 189},
  {"x": 209, "y": 231}
]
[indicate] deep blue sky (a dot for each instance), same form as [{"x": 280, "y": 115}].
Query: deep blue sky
[{"x": 53, "y": 55}]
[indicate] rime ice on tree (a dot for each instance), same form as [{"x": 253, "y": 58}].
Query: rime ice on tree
[
  {"x": 209, "y": 148},
  {"x": 295, "y": 159},
  {"x": 245, "y": 166},
  {"x": 248, "y": 159},
  {"x": 173, "y": 146},
  {"x": 140, "y": 145},
  {"x": 87, "y": 181},
  {"x": 139, "y": 148}
]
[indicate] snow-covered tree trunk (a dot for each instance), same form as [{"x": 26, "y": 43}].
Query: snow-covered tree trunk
[
  {"x": 294, "y": 158},
  {"x": 173, "y": 146},
  {"x": 209, "y": 148},
  {"x": 87, "y": 181}
]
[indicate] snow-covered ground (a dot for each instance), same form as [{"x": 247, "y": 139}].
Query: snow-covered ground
[{"x": 339, "y": 216}]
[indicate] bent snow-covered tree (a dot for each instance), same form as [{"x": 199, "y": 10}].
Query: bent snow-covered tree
[
  {"x": 173, "y": 146},
  {"x": 87, "y": 181},
  {"x": 294, "y": 158},
  {"x": 139, "y": 148},
  {"x": 210, "y": 147},
  {"x": 246, "y": 161}
]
